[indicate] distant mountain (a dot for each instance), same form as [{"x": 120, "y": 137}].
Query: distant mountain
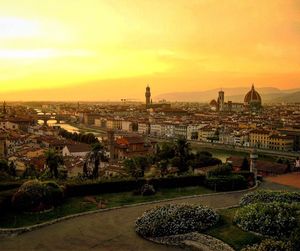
[
  {"x": 288, "y": 98},
  {"x": 268, "y": 94}
]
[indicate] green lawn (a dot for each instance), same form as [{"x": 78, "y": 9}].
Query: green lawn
[
  {"x": 78, "y": 204},
  {"x": 231, "y": 234}
]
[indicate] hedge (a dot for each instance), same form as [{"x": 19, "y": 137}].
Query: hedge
[
  {"x": 8, "y": 185},
  {"x": 81, "y": 189},
  {"x": 5, "y": 199},
  {"x": 226, "y": 183}
]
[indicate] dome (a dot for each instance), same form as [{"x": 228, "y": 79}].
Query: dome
[
  {"x": 252, "y": 97},
  {"x": 213, "y": 103}
]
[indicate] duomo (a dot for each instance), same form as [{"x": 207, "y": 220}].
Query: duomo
[{"x": 252, "y": 102}]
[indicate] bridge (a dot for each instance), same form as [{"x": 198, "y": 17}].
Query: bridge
[{"x": 51, "y": 116}]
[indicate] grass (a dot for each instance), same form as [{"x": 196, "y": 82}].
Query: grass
[
  {"x": 230, "y": 233},
  {"x": 76, "y": 205}
]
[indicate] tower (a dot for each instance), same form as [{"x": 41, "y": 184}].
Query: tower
[
  {"x": 221, "y": 101},
  {"x": 148, "y": 96},
  {"x": 4, "y": 108},
  {"x": 253, "y": 159}
]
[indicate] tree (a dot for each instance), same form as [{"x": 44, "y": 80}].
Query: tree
[
  {"x": 4, "y": 166},
  {"x": 136, "y": 166},
  {"x": 163, "y": 166},
  {"x": 183, "y": 153},
  {"x": 12, "y": 169},
  {"x": 245, "y": 165},
  {"x": 30, "y": 172},
  {"x": 53, "y": 161},
  {"x": 166, "y": 151},
  {"x": 96, "y": 155}
]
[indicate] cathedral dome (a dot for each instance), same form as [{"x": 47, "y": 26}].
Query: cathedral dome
[
  {"x": 213, "y": 103},
  {"x": 252, "y": 97}
]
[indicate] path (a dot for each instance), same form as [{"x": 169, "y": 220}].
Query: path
[{"x": 108, "y": 231}]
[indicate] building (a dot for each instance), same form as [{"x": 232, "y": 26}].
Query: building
[
  {"x": 143, "y": 128},
  {"x": 252, "y": 102},
  {"x": 131, "y": 146},
  {"x": 266, "y": 139},
  {"x": 76, "y": 150}
]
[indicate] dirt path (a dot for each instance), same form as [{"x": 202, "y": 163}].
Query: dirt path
[{"x": 108, "y": 231}]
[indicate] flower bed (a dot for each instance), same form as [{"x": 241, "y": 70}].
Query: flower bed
[
  {"x": 270, "y": 219},
  {"x": 265, "y": 196},
  {"x": 269, "y": 245},
  {"x": 173, "y": 219}
]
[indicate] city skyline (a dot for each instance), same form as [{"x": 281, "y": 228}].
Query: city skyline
[{"x": 109, "y": 50}]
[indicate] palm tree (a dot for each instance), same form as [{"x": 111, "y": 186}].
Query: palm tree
[
  {"x": 95, "y": 156},
  {"x": 53, "y": 161}
]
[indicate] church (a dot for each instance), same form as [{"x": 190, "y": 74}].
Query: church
[{"x": 252, "y": 102}]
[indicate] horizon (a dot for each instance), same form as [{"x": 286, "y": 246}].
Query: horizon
[{"x": 110, "y": 50}]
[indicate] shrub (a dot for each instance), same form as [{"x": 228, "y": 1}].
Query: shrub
[
  {"x": 266, "y": 196},
  {"x": 222, "y": 170},
  {"x": 294, "y": 239},
  {"x": 173, "y": 219},
  {"x": 270, "y": 219},
  {"x": 269, "y": 245},
  {"x": 226, "y": 183},
  {"x": 34, "y": 196},
  {"x": 147, "y": 190}
]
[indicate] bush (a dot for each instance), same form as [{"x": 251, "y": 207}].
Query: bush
[
  {"x": 294, "y": 239},
  {"x": 35, "y": 196},
  {"x": 147, "y": 190},
  {"x": 222, "y": 170},
  {"x": 270, "y": 219},
  {"x": 115, "y": 186},
  {"x": 269, "y": 245},
  {"x": 226, "y": 183},
  {"x": 173, "y": 219},
  {"x": 266, "y": 196}
]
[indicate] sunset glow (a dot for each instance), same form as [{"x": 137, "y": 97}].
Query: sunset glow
[{"x": 116, "y": 47}]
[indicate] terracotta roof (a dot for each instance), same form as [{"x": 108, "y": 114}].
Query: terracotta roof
[{"x": 78, "y": 147}]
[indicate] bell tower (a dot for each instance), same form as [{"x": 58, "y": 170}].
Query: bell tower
[
  {"x": 148, "y": 96},
  {"x": 221, "y": 101}
]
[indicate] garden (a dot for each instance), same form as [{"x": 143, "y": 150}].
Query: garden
[{"x": 264, "y": 221}]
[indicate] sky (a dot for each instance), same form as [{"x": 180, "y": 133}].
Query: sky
[{"x": 111, "y": 49}]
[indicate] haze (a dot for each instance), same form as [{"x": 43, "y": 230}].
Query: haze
[{"x": 110, "y": 49}]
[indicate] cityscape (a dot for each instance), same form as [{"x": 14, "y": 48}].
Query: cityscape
[{"x": 167, "y": 132}]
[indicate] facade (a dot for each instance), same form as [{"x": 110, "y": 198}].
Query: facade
[
  {"x": 143, "y": 128},
  {"x": 270, "y": 140},
  {"x": 89, "y": 118}
]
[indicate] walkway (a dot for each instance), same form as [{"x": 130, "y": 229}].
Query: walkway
[{"x": 108, "y": 231}]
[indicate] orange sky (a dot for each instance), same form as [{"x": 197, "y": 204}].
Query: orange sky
[{"x": 110, "y": 49}]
